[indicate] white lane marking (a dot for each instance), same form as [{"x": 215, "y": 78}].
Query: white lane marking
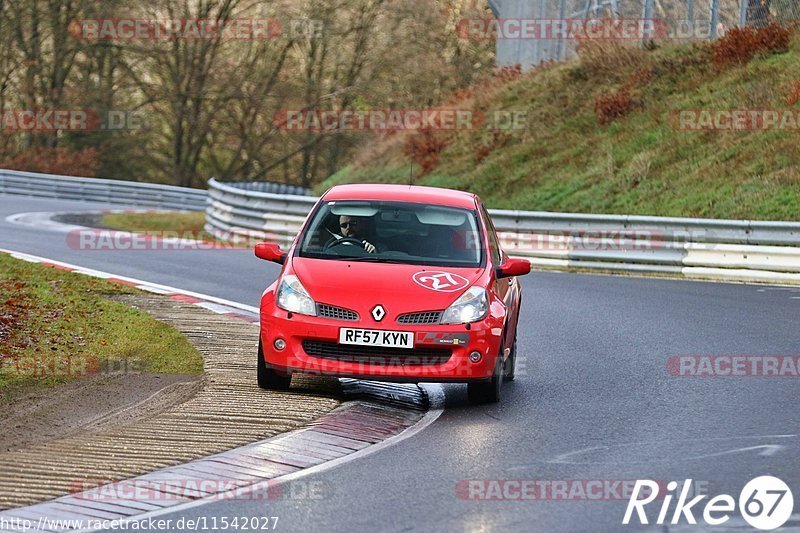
[
  {"x": 768, "y": 450},
  {"x": 152, "y": 289},
  {"x": 216, "y": 308},
  {"x": 564, "y": 458},
  {"x": 436, "y": 396},
  {"x": 43, "y": 219},
  {"x": 165, "y": 289}
]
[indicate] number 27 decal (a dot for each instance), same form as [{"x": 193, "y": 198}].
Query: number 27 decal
[{"x": 440, "y": 281}]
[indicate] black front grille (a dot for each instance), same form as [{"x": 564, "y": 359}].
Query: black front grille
[
  {"x": 424, "y": 317},
  {"x": 337, "y": 313},
  {"x": 374, "y": 355}
]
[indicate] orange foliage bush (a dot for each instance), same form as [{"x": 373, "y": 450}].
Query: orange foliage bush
[
  {"x": 609, "y": 108},
  {"x": 740, "y": 45},
  {"x": 506, "y": 74},
  {"x": 794, "y": 94},
  {"x": 54, "y": 161},
  {"x": 424, "y": 148},
  {"x": 498, "y": 139},
  {"x": 639, "y": 78},
  {"x": 460, "y": 95},
  {"x": 619, "y": 104}
]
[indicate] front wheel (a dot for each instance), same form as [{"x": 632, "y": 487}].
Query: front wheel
[
  {"x": 488, "y": 391},
  {"x": 268, "y": 378}
]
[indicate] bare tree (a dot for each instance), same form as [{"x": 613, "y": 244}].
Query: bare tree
[
  {"x": 41, "y": 34},
  {"x": 179, "y": 78},
  {"x": 209, "y": 103}
]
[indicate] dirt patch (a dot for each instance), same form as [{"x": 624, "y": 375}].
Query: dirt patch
[
  {"x": 90, "y": 404},
  {"x": 90, "y": 220}
]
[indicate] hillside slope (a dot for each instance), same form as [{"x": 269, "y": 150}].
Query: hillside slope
[{"x": 602, "y": 135}]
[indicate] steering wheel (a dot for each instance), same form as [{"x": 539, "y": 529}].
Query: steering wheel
[{"x": 345, "y": 241}]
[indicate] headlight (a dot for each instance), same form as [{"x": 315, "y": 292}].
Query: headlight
[
  {"x": 470, "y": 307},
  {"x": 292, "y": 296}
]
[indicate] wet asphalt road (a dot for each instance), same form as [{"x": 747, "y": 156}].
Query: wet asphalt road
[{"x": 593, "y": 399}]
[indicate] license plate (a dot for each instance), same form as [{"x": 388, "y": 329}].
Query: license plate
[{"x": 374, "y": 337}]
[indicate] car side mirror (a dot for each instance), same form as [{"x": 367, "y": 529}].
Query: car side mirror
[
  {"x": 270, "y": 251},
  {"x": 513, "y": 267}
]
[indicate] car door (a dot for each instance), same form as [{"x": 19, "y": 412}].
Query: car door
[{"x": 506, "y": 289}]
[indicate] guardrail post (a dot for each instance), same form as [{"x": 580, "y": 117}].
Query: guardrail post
[{"x": 714, "y": 8}]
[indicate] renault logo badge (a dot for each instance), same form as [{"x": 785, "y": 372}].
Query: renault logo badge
[{"x": 378, "y": 312}]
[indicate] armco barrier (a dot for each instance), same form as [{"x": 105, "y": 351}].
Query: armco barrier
[
  {"x": 723, "y": 249},
  {"x": 234, "y": 210},
  {"x": 124, "y": 192},
  {"x": 704, "y": 248},
  {"x": 101, "y": 190},
  {"x": 684, "y": 229}
]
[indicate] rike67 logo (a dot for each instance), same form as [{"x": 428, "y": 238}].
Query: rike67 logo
[{"x": 765, "y": 503}]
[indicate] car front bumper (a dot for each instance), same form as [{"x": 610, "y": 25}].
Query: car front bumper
[{"x": 301, "y": 332}]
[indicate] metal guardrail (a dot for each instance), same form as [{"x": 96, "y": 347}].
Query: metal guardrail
[
  {"x": 725, "y": 249},
  {"x": 125, "y": 192},
  {"x": 236, "y": 211},
  {"x": 102, "y": 190},
  {"x": 268, "y": 186},
  {"x": 705, "y": 230}
]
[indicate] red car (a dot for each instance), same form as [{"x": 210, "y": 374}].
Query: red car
[{"x": 393, "y": 283}]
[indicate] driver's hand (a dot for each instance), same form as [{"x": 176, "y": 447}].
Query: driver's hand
[{"x": 369, "y": 247}]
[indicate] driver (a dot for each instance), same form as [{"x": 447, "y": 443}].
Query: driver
[{"x": 356, "y": 228}]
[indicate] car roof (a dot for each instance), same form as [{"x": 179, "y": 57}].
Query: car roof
[{"x": 402, "y": 193}]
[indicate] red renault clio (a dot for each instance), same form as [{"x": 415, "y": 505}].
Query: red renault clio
[{"x": 393, "y": 283}]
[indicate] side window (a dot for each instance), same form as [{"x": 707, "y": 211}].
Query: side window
[{"x": 494, "y": 246}]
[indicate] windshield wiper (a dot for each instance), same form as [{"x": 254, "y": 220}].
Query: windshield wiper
[{"x": 372, "y": 259}]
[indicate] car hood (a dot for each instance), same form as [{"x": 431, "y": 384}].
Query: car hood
[{"x": 398, "y": 288}]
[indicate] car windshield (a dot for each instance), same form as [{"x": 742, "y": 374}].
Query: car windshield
[{"x": 393, "y": 232}]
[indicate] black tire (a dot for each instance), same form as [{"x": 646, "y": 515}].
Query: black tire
[
  {"x": 510, "y": 365},
  {"x": 487, "y": 391},
  {"x": 268, "y": 378}
]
